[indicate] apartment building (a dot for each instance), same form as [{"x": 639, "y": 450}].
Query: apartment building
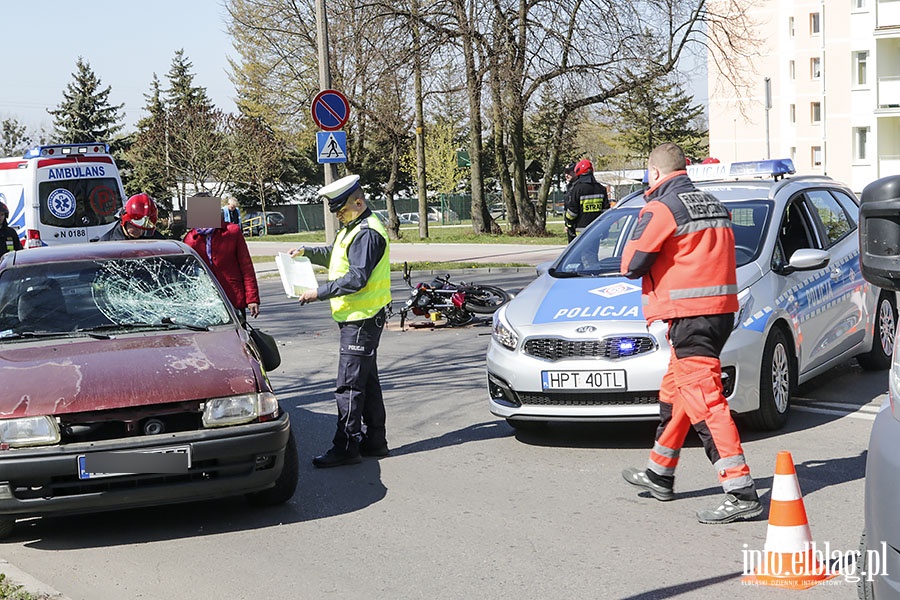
[{"x": 833, "y": 71}]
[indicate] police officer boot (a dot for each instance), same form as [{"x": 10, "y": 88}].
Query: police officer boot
[{"x": 336, "y": 457}]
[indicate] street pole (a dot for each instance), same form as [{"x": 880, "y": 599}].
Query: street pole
[
  {"x": 325, "y": 84},
  {"x": 768, "y": 107}
]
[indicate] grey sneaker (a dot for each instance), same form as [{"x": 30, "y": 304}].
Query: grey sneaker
[
  {"x": 639, "y": 479},
  {"x": 731, "y": 509}
]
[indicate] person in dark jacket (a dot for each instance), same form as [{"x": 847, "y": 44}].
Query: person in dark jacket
[
  {"x": 585, "y": 199},
  {"x": 138, "y": 221},
  {"x": 9, "y": 239},
  {"x": 683, "y": 248}
]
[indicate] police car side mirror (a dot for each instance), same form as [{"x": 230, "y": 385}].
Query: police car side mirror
[
  {"x": 543, "y": 267},
  {"x": 808, "y": 259}
]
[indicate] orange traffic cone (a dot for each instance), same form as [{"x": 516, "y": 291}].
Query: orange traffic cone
[{"x": 790, "y": 558}]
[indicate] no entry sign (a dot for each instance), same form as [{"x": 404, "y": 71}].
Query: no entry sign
[{"x": 330, "y": 110}]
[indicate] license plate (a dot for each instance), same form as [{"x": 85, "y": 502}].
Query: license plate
[
  {"x": 115, "y": 464},
  {"x": 584, "y": 380}
]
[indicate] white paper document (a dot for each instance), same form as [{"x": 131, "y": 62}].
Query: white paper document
[{"x": 297, "y": 274}]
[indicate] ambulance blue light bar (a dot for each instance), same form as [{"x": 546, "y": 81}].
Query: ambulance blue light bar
[{"x": 67, "y": 149}]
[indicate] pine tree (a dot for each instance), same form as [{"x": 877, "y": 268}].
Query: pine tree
[
  {"x": 147, "y": 155},
  {"x": 658, "y": 113},
  {"x": 85, "y": 114},
  {"x": 14, "y": 138},
  {"x": 182, "y": 93}
]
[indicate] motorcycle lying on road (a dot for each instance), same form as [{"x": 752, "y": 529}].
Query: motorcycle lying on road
[{"x": 457, "y": 302}]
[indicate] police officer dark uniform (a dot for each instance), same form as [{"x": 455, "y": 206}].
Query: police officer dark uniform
[
  {"x": 585, "y": 199},
  {"x": 683, "y": 247},
  {"x": 9, "y": 239},
  {"x": 359, "y": 289}
]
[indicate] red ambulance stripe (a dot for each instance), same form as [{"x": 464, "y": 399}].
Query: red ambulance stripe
[
  {"x": 12, "y": 165},
  {"x": 49, "y": 162}
]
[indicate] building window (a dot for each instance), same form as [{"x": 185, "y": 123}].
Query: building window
[
  {"x": 859, "y": 4},
  {"x": 860, "y": 143},
  {"x": 792, "y": 69},
  {"x": 793, "y": 152},
  {"x": 814, "y": 24},
  {"x": 860, "y": 62},
  {"x": 790, "y": 26},
  {"x": 815, "y": 67},
  {"x": 815, "y": 112},
  {"x": 816, "y": 156},
  {"x": 793, "y": 113}
]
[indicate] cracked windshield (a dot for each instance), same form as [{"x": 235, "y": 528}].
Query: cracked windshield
[{"x": 108, "y": 295}]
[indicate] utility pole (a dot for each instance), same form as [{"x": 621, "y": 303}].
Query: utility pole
[{"x": 325, "y": 84}]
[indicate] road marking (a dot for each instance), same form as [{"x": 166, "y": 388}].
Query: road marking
[{"x": 865, "y": 412}]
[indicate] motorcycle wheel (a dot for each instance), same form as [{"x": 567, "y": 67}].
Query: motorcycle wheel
[
  {"x": 459, "y": 317},
  {"x": 485, "y": 299}
]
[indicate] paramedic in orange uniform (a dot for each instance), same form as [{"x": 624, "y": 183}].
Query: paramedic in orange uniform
[{"x": 683, "y": 247}]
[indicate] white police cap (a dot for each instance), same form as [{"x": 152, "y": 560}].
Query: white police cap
[{"x": 339, "y": 191}]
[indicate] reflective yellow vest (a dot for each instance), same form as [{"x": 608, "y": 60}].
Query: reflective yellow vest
[{"x": 377, "y": 292}]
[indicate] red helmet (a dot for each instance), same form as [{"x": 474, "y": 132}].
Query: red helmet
[
  {"x": 140, "y": 211},
  {"x": 582, "y": 167}
]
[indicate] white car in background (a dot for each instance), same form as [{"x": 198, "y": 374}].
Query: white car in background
[{"x": 574, "y": 345}]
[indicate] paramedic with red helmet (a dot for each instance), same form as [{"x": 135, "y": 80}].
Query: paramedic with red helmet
[
  {"x": 585, "y": 199},
  {"x": 683, "y": 247},
  {"x": 9, "y": 239},
  {"x": 138, "y": 221}
]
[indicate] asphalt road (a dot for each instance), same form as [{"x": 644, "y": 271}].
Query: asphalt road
[{"x": 464, "y": 507}]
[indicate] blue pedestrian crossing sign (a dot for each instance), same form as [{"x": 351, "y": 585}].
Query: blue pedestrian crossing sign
[{"x": 331, "y": 146}]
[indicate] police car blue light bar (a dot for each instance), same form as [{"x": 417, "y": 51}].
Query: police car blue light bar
[
  {"x": 66, "y": 149},
  {"x": 775, "y": 168}
]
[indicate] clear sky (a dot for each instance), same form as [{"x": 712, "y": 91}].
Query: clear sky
[{"x": 125, "y": 42}]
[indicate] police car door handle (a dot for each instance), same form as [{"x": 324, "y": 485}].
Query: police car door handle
[{"x": 836, "y": 274}]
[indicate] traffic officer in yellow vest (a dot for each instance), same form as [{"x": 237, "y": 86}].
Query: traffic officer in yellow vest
[{"x": 359, "y": 289}]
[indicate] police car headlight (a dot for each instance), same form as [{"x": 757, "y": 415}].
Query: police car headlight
[
  {"x": 236, "y": 410},
  {"x": 502, "y": 332},
  {"x": 745, "y": 302},
  {"x": 29, "y": 431}
]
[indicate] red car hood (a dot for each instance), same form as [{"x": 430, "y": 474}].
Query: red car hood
[{"x": 76, "y": 375}]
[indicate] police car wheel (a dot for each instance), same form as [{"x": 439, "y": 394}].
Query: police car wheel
[
  {"x": 879, "y": 357},
  {"x": 777, "y": 380}
]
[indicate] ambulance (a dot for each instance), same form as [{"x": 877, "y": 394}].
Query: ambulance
[{"x": 61, "y": 194}]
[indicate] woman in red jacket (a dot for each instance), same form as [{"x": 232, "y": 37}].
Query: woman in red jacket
[{"x": 225, "y": 251}]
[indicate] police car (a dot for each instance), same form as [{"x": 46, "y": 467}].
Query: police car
[{"x": 574, "y": 345}]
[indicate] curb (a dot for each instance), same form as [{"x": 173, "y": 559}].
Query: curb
[{"x": 29, "y": 584}]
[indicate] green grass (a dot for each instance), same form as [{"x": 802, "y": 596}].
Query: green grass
[
  {"x": 437, "y": 234},
  {"x": 10, "y": 591}
]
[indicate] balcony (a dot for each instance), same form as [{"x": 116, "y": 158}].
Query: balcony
[
  {"x": 889, "y": 92},
  {"x": 888, "y": 14}
]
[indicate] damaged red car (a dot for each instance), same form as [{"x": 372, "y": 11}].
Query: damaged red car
[{"x": 128, "y": 380}]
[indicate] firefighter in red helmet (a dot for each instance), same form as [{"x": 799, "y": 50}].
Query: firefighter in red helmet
[
  {"x": 138, "y": 221},
  {"x": 683, "y": 247},
  {"x": 585, "y": 199},
  {"x": 9, "y": 239}
]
